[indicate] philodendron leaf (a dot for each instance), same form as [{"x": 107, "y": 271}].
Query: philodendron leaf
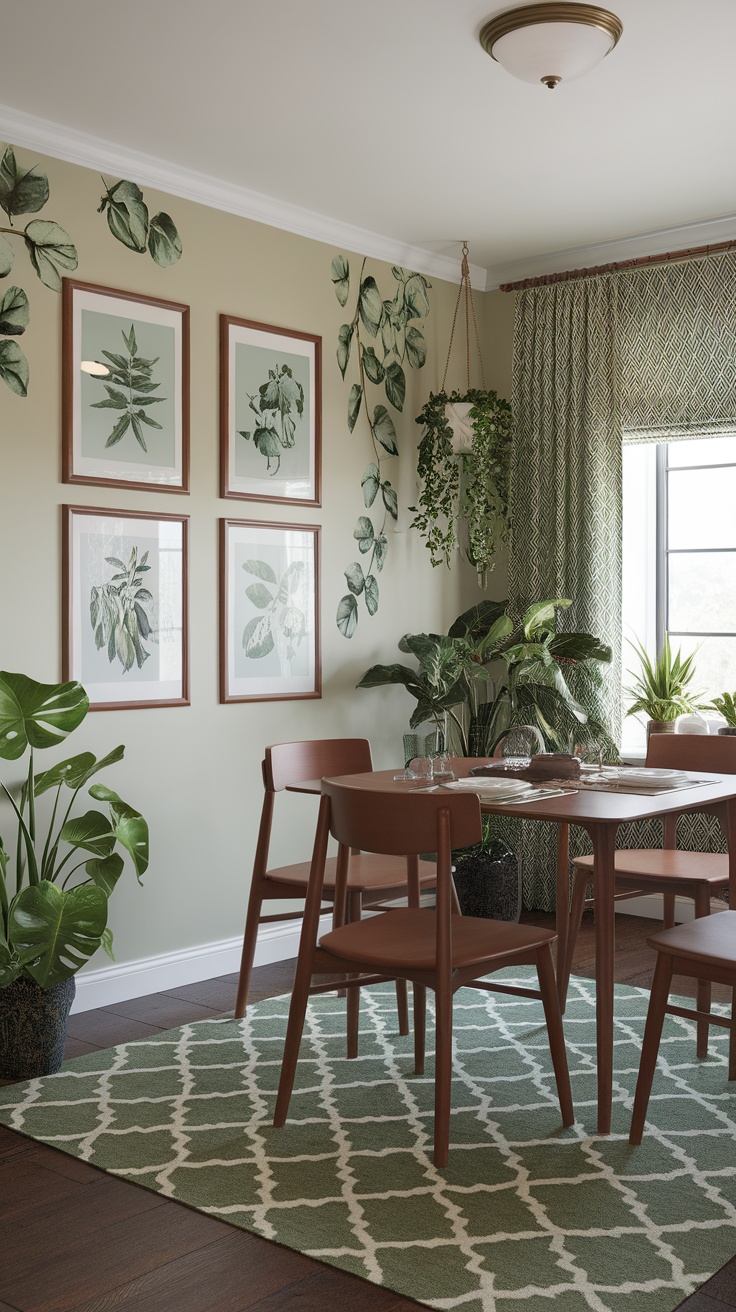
[
  {"x": 355, "y": 578},
  {"x": 42, "y": 714},
  {"x": 14, "y": 368},
  {"x": 75, "y": 771},
  {"x": 51, "y": 250},
  {"x": 6, "y": 257},
  {"x": 364, "y": 534},
  {"x": 14, "y": 313},
  {"x": 396, "y": 385},
  {"x": 127, "y": 215},
  {"x": 374, "y": 370},
  {"x": 370, "y": 305},
  {"x": 347, "y": 616},
  {"x": 370, "y": 483},
  {"x": 105, "y": 872},
  {"x": 383, "y": 428},
  {"x": 541, "y": 615},
  {"x": 91, "y": 831},
  {"x": 164, "y": 242},
  {"x": 354, "y": 400},
  {"x": 390, "y": 500},
  {"x": 64, "y": 928},
  {"x": 371, "y": 594},
  {"x": 129, "y": 827},
  {"x": 416, "y": 347},
  {"x": 344, "y": 338},
  {"x": 21, "y": 192},
  {"x": 341, "y": 278}
]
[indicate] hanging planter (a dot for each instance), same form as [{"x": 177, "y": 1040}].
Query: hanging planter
[{"x": 463, "y": 464}]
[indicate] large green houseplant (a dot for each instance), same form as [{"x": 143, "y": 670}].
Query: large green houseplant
[
  {"x": 59, "y": 870},
  {"x": 662, "y": 688},
  {"x": 463, "y": 465},
  {"x": 488, "y": 674}
]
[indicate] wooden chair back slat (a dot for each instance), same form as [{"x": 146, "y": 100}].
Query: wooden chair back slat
[
  {"x": 692, "y": 751},
  {"x": 290, "y": 763},
  {"x": 400, "y": 824}
]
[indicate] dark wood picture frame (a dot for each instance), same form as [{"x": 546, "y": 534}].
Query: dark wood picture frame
[
  {"x": 84, "y": 660},
  {"x": 270, "y": 605},
  {"x": 170, "y": 321},
  {"x": 297, "y": 476}
]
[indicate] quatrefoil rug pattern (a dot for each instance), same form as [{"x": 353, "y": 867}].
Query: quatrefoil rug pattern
[{"x": 525, "y": 1213}]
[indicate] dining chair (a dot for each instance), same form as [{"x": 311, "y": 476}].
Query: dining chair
[
  {"x": 701, "y": 949},
  {"x": 433, "y": 948},
  {"x": 665, "y": 870},
  {"x": 370, "y": 878}
]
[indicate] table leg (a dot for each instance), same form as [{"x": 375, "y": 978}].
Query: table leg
[
  {"x": 562, "y": 909},
  {"x": 604, "y": 846}
]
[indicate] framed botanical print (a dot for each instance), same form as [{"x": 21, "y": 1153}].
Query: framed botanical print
[
  {"x": 125, "y": 606},
  {"x": 125, "y": 389},
  {"x": 269, "y": 611},
  {"x": 270, "y": 413}
]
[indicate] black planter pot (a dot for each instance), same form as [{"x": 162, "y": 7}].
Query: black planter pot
[
  {"x": 727, "y": 730},
  {"x": 488, "y": 883},
  {"x": 33, "y": 1027}
]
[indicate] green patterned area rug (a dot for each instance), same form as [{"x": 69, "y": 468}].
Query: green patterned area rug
[{"x": 525, "y": 1213}]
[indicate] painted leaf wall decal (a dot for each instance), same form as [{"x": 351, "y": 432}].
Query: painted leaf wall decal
[
  {"x": 354, "y": 400},
  {"x": 164, "y": 242},
  {"x": 51, "y": 250},
  {"x": 127, "y": 215},
  {"x": 381, "y": 551},
  {"x": 347, "y": 616},
  {"x": 390, "y": 500},
  {"x": 416, "y": 347},
  {"x": 372, "y": 365},
  {"x": 396, "y": 385},
  {"x": 14, "y": 313},
  {"x": 14, "y": 368},
  {"x": 355, "y": 578},
  {"x": 370, "y": 483},
  {"x": 6, "y": 257},
  {"x": 371, "y": 594},
  {"x": 21, "y": 191},
  {"x": 344, "y": 338},
  {"x": 341, "y": 278},
  {"x": 371, "y": 305},
  {"x": 383, "y": 427}
]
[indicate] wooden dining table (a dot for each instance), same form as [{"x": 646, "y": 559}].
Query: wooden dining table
[{"x": 601, "y": 814}]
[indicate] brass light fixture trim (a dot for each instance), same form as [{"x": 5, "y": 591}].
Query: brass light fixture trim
[{"x": 556, "y": 11}]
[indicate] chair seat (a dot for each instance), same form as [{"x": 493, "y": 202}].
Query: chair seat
[
  {"x": 665, "y": 864},
  {"x": 407, "y": 938},
  {"x": 366, "y": 872},
  {"x": 711, "y": 939}
]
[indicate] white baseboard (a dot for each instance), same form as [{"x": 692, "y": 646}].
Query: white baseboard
[
  {"x": 650, "y": 906},
  {"x": 134, "y": 979}
]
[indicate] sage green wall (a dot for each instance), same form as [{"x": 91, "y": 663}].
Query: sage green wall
[{"x": 195, "y": 771}]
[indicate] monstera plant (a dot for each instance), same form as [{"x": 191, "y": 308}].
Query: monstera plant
[{"x": 57, "y": 873}]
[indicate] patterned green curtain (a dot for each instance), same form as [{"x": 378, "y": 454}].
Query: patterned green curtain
[
  {"x": 644, "y": 355},
  {"x": 566, "y": 496}
]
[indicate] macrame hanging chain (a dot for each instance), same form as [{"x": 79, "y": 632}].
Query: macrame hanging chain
[{"x": 466, "y": 292}]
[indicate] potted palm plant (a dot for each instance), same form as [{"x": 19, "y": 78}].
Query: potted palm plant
[
  {"x": 58, "y": 872},
  {"x": 662, "y": 687}
]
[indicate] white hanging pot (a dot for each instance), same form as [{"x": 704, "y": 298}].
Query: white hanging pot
[{"x": 457, "y": 414}]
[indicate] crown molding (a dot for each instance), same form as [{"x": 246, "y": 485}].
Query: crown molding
[
  {"x": 75, "y": 147},
  {"x": 707, "y": 233}
]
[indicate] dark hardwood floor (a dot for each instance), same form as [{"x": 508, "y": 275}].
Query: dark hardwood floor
[{"x": 76, "y": 1240}]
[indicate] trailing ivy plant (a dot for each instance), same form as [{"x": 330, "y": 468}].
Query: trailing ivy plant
[
  {"x": 470, "y": 486},
  {"x": 398, "y": 342},
  {"x": 134, "y": 375},
  {"x": 276, "y": 428},
  {"x": 128, "y": 221},
  {"x": 50, "y": 250}
]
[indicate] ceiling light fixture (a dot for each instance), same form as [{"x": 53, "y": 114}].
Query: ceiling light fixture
[{"x": 551, "y": 43}]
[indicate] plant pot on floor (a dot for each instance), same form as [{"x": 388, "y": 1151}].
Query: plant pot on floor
[
  {"x": 488, "y": 883},
  {"x": 33, "y": 1027}
]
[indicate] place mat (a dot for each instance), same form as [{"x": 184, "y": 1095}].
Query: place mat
[
  {"x": 614, "y": 786},
  {"x": 525, "y": 1216}
]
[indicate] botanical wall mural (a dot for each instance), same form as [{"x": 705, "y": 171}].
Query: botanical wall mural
[
  {"x": 128, "y": 221},
  {"x": 391, "y": 323},
  {"x": 49, "y": 248}
]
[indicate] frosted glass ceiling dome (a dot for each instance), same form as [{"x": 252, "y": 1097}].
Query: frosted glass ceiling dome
[{"x": 551, "y": 43}]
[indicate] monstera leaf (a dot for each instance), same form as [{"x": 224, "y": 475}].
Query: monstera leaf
[
  {"x": 37, "y": 714},
  {"x": 56, "y": 931}
]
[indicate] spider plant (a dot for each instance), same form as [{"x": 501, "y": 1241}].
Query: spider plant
[
  {"x": 726, "y": 706},
  {"x": 662, "y": 687}
]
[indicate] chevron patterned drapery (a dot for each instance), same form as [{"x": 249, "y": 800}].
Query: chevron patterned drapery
[{"x": 644, "y": 355}]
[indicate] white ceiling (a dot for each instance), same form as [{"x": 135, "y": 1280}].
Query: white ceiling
[{"x": 390, "y": 117}]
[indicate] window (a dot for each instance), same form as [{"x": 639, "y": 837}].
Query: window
[{"x": 679, "y": 558}]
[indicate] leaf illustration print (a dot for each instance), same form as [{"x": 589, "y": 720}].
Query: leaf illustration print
[
  {"x": 276, "y": 428},
  {"x": 283, "y": 623},
  {"x": 129, "y": 385},
  {"x": 118, "y": 612}
]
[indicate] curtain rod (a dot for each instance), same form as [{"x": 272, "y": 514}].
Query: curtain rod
[{"x": 546, "y": 280}]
